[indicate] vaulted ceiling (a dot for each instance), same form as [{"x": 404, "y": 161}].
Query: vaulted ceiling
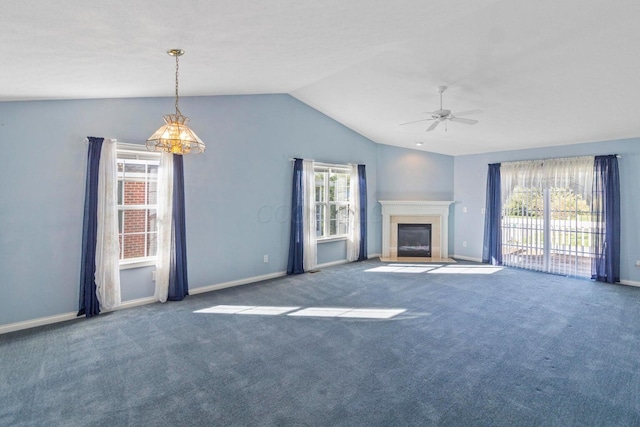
[{"x": 544, "y": 72}]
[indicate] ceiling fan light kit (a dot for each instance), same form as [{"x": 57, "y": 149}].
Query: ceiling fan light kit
[{"x": 443, "y": 115}]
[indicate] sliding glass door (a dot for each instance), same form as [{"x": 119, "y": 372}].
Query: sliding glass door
[{"x": 546, "y": 218}]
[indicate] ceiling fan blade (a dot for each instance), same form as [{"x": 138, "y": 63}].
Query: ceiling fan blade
[
  {"x": 415, "y": 121},
  {"x": 433, "y": 125},
  {"x": 469, "y": 112},
  {"x": 465, "y": 121}
]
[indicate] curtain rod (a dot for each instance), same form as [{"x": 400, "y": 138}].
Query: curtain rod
[
  {"x": 554, "y": 158},
  {"x": 293, "y": 159}
]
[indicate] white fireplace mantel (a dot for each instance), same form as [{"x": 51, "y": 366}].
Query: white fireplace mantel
[{"x": 416, "y": 208}]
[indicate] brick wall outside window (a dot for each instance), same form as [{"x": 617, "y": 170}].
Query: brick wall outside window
[{"x": 137, "y": 216}]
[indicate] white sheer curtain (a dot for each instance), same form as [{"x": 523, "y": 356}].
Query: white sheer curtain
[
  {"x": 517, "y": 175},
  {"x": 574, "y": 173},
  {"x": 353, "y": 241},
  {"x": 165, "y": 212},
  {"x": 107, "y": 274},
  {"x": 546, "y": 222},
  {"x": 309, "y": 221}
]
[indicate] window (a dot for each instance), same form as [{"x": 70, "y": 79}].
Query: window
[
  {"x": 137, "y": 205},
  {"x": 332, "y": 189}
]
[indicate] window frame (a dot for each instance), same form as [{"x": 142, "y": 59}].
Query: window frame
[
  {"x": 134, "y": 153},
  {"x": 324, "y": 205}
]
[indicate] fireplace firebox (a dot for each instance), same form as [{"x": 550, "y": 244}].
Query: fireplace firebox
[{"x": 414, "y": 240}]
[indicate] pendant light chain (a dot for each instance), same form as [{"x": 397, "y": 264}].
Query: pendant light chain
[{"x": 177, "y": 68}]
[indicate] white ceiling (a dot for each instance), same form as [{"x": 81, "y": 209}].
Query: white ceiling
[{"x": 545, "y": 72}]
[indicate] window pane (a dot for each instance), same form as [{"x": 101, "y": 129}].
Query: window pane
[
  {"x": 320, "y": 190},
  {"x": 120, "y": 221},
  {"x": 120, "y": 191},
  {"x": 339, "y": 220},
  {"x": 152, "y": 185},
  {"x": 134, "y": 245},
  {"x": 340, "y": 187},
  {"x": 152, "y": 223},
  {"x": 320, "y": 208},
  {"x": 333, "y": 220},
  {"x": 134, "y": 170},
  {"x": 134, "y": 221},
  {"x": 343, "y": 220},
  {"x": 134, "y": 192},
  {"x": 152, "y": 244}
]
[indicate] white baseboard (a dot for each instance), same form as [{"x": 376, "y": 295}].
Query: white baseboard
[
  {"x": 371, "y": 256},
  {"x": 630, "y": 283},
  {"x": 467, "y": 258},
  {"x": 49, "y": 320},
  {"x": 238, "y": 282}
]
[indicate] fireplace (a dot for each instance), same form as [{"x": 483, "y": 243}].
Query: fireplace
[
  {"x": 420, "y": 212},
  {"x": 414, "y": 240}
]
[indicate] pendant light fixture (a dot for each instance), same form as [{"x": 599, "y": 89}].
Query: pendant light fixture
[{"x": 175, "y": 136}]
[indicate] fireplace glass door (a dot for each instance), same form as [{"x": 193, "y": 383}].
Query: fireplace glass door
[{"x": 414, "y": 240}]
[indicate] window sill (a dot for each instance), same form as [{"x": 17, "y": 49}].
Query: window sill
[
  {"x": 126, "y": 265},
  {"x": 331, "y": 239}
]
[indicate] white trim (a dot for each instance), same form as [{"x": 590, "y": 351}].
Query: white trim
[
  {"x": 134, "y": 303},
  {"x": 126, "y": 265},
  {"x": 332, "y": 238},
  {"x": 42, "y": 321},
  {"x": 630, "y": 283},
  {"x": 50, "y": 320},
  {"x": 438, "y": 208},
  {"x": 239, "y": 282},
  {"x": 467, "y": 258},
  {"x": 131, "y": 146}
]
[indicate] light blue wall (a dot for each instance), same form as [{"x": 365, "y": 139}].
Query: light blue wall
[
  {"x": 237, "y": 193},
  {"x": 415, "y": 175},
  {"x": 470, "y": 189}
]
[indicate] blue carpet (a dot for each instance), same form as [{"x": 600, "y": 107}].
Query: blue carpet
[{"x": 513, "y": 348}]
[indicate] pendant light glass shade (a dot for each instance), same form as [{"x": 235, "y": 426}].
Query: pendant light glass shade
[{"x": 175, "y": 136}]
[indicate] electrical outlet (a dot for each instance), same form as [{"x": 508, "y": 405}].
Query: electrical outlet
[
  {"x": 638, "y": 263},
  {"x": 464, "y": 209},
  {"x": 483, "y": 211},
  {"x": 464, "y": 243},
  {"x": 266, "y": 258}
]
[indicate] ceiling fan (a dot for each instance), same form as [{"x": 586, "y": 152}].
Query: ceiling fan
[{"x": 443, "y": 115}]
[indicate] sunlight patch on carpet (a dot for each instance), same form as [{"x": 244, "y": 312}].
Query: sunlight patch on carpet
[
  {"x": 247, "y": 309},
  {"x": 435, "y": 269},
  {"x": 467, "y": 269},
  {"x": 344, "y": 312},
  {"x": 401, "y": 269}
]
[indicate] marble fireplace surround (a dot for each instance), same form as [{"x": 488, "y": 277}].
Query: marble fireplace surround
[{"x": 432, "y": 212}]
